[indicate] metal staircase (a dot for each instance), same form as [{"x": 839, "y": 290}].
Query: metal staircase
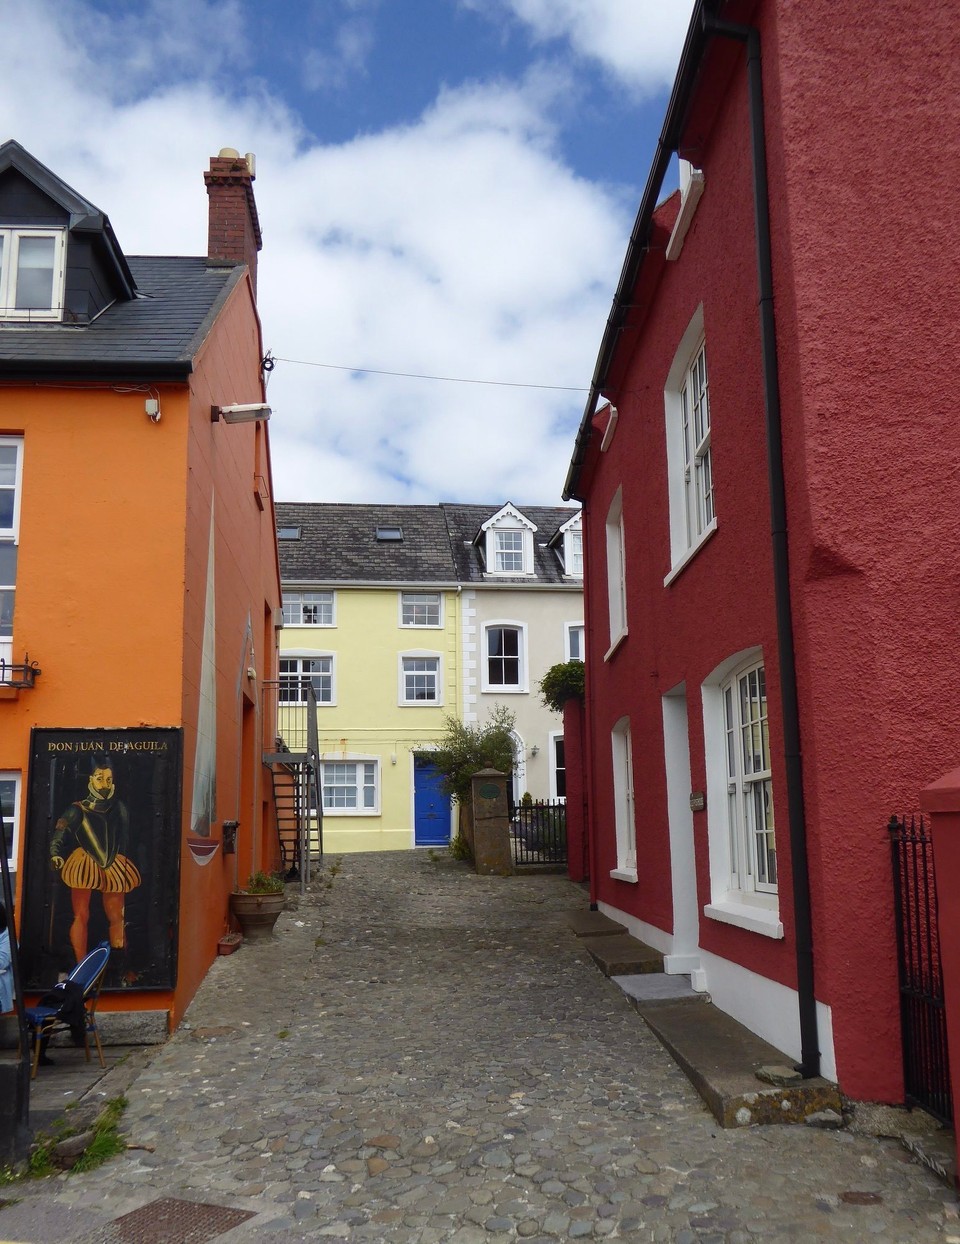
[{"x": 295, "y": 771}]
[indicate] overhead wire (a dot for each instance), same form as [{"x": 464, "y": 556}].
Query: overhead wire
[{"x": 412, "y": 375}]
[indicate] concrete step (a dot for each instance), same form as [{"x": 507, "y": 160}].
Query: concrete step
[
  {"x": 722, "y": 1058},
  {"x": 594, "y": 924},
  {"x": 619, "y": 954}
]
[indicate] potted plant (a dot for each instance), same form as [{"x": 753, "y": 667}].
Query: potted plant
[{"x": 257, "y": 906}]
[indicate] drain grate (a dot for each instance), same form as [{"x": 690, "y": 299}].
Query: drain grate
[{"x": 169, "y": 1221}]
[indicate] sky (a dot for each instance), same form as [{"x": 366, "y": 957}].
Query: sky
[{"x": 446, "y": 189}]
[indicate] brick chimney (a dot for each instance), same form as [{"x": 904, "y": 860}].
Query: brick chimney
[{"x": 233, "y": 234}]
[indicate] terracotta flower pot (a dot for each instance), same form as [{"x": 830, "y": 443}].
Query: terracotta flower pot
[
  {"x": 256, "y": 913},
  {"x": 228, "y": 943}
]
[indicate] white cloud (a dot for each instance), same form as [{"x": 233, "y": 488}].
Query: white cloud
[
  {"x": 637, "y": 41},
  {"x": 460, "y": 246}
]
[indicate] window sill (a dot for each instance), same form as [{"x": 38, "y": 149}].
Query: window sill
[
  {"x": 615, "y": 644},
  {"x": 420, "y": 704},
  {"x": 624, "y": 874},
  {"x": 754, "y": 918},
  {"x": 505, "y": 690},
  {"x": 687, "y": 557}
]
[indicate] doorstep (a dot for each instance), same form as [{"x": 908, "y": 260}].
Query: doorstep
[{"x": 720, "y": 1057}]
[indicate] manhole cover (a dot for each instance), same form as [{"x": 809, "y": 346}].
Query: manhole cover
[{"x": 169, "y": 1221}]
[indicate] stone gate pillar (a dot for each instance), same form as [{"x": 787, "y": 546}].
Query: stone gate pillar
[{"x": 492, "y": 854}]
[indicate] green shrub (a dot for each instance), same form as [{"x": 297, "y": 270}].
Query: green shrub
[
  {"x": 561, "y": 683},
  {"x": 466, "y": 749}
]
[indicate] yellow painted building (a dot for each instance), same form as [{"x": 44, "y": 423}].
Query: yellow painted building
[{"x": 371, "y": 623}]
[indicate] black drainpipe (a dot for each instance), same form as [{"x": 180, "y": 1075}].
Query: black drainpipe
[{"x": 803, "y": 924}]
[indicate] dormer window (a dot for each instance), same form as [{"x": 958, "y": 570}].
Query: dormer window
[
  {"x": 507, "y": 543},
  {"x": 31, "y": 274},
  {"x": 568, "y": 543}
]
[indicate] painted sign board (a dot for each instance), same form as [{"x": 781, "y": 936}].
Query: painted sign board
[{"x": 102, "y": 855}]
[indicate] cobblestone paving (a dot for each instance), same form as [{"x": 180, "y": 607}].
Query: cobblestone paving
[{"x": 421, "y": 1054}]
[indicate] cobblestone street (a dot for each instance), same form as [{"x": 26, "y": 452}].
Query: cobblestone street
[{"x": 421, "y": 1054}]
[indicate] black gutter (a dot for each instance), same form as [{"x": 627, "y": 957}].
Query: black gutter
[
  {"x": 802, "y": 916},
  {"x": 690, "y": 58},
  {"x": 703, "y": 26}
]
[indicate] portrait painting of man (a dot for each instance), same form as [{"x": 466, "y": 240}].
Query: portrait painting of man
[{"x": 102, "y": 854}]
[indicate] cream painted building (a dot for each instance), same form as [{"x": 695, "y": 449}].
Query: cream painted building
[{"x": 398, "y": 616}]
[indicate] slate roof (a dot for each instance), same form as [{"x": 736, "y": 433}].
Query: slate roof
[
  {"x": 156, "y": 335},
  {"x": 338, "y": 543}
]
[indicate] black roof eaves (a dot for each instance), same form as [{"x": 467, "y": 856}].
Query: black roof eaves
[
  {"x": 96, "y": 369},
  {"x": 691, "y": 58},
  {"x": 12, "y": 155}
]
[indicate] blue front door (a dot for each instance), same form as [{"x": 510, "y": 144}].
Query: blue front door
[{"x": 431, "y": 807}]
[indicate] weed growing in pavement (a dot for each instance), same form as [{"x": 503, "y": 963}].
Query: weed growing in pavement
[
  {"x": 283, "y": 1033},
  {"x": 458, "y": 848},
  {"x": 105, "y": 1143}
]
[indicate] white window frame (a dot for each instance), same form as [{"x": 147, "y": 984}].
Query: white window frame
[
  {"x": 616, "y": 572},
  {"x": 11, "y": 534},
  {"x": 420, "y": 600},
  {"x": 621, "y": 745},
  {"x": 14, "y": 776},
  {"x": 573, "y": 553},
  {"x": 300, "y": 656},
  {"x": 686, "y": 404},
  {"x": 521, "y": 687},
  {"x": 574, "y": 650},
  {"x": 508, "y": 543},
  {"x": 296, "y": 598},
  {"x": 427, "y": 658},
  {"x": 356, "y": 760},
  {"x": 10, "y": 239},
  {"x": 508, "y": 521},
  {"x": 740, "y": 894},
  {"x": 556, "y": 737}
]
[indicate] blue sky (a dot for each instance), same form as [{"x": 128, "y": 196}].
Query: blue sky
[{"x": 446, "y": 188}]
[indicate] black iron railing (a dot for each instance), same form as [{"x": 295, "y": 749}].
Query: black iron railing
[
  {"x": 538, "y": 830},
  {"x": 926, "y": 1070}
]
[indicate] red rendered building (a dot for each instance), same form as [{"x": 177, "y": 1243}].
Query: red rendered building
[{"x": 765, "y": 467}]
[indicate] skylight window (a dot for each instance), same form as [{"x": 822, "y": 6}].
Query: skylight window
[
  {"x": 389, "y": 533},
  {"x": 288, "y": 533}
]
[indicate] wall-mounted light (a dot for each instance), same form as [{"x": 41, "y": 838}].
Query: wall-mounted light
[
  {"x": 535, "y": 750},
  {"x": 244, "y": 412}
]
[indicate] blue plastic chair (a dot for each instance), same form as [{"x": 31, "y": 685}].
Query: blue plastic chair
[{"x": 44, "y": 1021}]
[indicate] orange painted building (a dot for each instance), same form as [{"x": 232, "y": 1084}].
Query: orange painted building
[{"x": 139, "y": 585}]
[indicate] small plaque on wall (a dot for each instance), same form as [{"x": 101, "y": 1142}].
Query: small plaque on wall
[{"x": 698, "y": 801}]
